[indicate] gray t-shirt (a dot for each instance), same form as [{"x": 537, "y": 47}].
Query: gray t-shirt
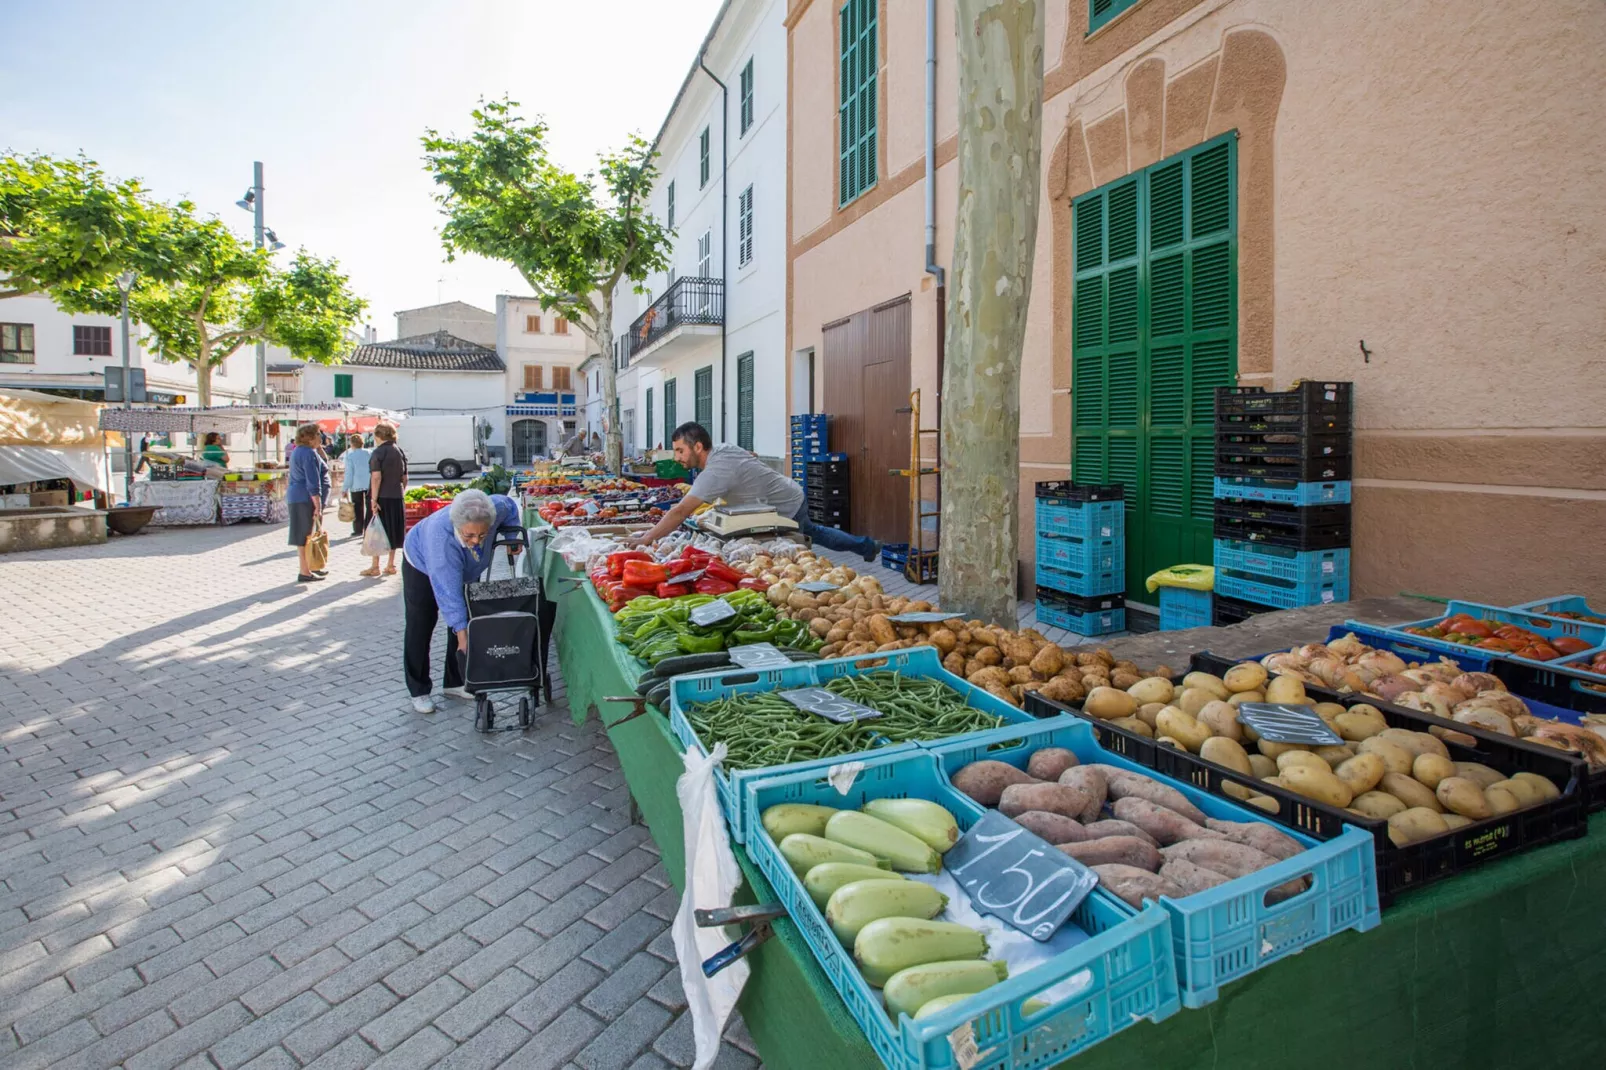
[{"x": 737, "y": 476}]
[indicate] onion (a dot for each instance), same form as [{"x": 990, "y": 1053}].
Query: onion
[
  {"x": 1312, "y": 650},
  {"x": 1474, "y": 682},
  {"x": 1383, "y": 661},
  {"x": 1388, "y": 688},
  {"x": 1347, "y": 647},
  {"x": 1445, "y": 693},
  {"x": 1423, "y": 702},
  {"x": 1504, "y": 701},
  {"x": 1285, "y": 662},
  {"x": 1329, "y": 672}
]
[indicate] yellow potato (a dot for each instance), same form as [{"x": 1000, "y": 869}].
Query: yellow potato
[
  {"x": 1289, "y": 689},
  {"x": 1236, "y": 791},
  {"x": 1264, "y": 802},
  {"x": 1416, "y": 742},
  {"x": 1153, "y": 689},
  {"x": 1193, "y": 700},
  {"x": 1526, "y": 792},
  {"x": 1227, "y": 752},
  {"x": 1546, "y": 789},
  {"x": 1361, "y": 773},
  {"x": 1238, "y": 698},
  {"x": 1328, "y": 710},
  {"x": 1250, "y": 676},
  {"x": 1415, "y": 825},
  {"x": 1456, "y": 821},
  {"x": 1262, "y": 766},
  {"x": 1361, "y": 722},
  {"x": 1430, "y": 769},
  {"x": 1316, "y": 783},
  {"x": 1221, "y": 719},
  {"x": 1146, "y": 712},
  {"x": 1462, "y": 797},
  {"x": 1501, "y": 799},
  {"x": 1107, "y": 704},
  {"x": 1335, "y": 756},
  {"x": 1478, "y": 773},
  {"x": 1396, "y": 759},
  {"x": 1134, "y": 724},
  {"x": 1299, "y": 757},
  {"x": 1204, "y": 681},
  {"x": 1170, "y": 741},
  {"x": 1190, "y": 732},
  {"x": 1272, "y": 750},
  {"x": 1410, "y": 792},
  {"x": 1377, "y": 804}
]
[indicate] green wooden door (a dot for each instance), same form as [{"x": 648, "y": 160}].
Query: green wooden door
[{"x": 1154, "y": 332}]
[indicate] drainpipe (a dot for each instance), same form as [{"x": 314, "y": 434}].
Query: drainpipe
[
  {"x": 933, "y": 268},
  {"x": 724, "y": 232}
]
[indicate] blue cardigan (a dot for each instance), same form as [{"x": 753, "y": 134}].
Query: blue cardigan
[
  {"x": 309, "y": 475},
  {"x": 432, "y": 548}
]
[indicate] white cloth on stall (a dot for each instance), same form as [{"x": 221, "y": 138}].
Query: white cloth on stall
[{"x": 712, "y": 877}]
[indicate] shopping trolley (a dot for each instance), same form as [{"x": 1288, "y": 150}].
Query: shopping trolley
[{"x": 507, "y": 639}]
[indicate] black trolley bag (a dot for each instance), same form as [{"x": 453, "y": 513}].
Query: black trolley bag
[{"x": 506, "y": 642}]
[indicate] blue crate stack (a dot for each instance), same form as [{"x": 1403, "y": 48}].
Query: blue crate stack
[
  {"x": 810, "y": 438},
  {"x": 823, "y": 475},
  {"x": 1282, "y": 485},
  {"x": 1081, "y": 556}
]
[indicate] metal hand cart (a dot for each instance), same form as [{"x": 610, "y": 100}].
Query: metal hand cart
[{"x": 507, "y": 639}]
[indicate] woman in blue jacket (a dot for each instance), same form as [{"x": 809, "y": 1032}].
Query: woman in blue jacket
[
  {"x": 306, "y": 495},
  {"x": 446, "y": 550}
]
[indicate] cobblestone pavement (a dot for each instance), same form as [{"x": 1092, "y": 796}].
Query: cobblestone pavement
[{"x": 226, "y": 841}]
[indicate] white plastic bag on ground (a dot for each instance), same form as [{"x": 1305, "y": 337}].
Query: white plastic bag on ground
[
  {"x": 374, "y": 540},
  {"x": 712, "y": 877}
]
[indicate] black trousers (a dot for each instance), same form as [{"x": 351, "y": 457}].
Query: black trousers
[
  {"x": 421, "y": 614},
  {"x": 361, "y": 512}
]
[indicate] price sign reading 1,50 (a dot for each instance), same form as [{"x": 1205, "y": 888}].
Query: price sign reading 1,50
[{"x": 1018, "y": 877}]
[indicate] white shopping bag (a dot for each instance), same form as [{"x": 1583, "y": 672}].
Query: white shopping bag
[
  {"x": 712, "y": 877},
  {"x": 374, "y": 539}
]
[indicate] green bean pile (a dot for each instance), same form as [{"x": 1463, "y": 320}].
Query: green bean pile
[{"x": 761, "y": 729}]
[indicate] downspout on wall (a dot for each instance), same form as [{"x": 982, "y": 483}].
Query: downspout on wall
[
  {"x": 933, "y": 268},
  {"x": 724, "y": 235}
]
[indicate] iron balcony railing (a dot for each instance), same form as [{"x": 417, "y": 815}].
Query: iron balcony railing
[
  {"x": 692, "y": 300},
  {"x": 542, "y": 403}
]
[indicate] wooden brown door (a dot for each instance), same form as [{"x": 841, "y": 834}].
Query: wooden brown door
[{"x": 866, "y": 373}]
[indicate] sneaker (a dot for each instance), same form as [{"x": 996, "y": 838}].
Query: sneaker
[
  {"x": 455, "y": 692},
  {"x": 423, "y": 704},
  {"x": 872, "y": 550},
  {"x": 314, "y": 578}
]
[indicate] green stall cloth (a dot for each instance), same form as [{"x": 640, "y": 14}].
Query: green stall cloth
[{"x": 1504, "y": 966}]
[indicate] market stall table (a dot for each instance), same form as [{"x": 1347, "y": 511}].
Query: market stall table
[
  {"x": 1501, "y": 966},
  {"x": 178, "y": 501}
]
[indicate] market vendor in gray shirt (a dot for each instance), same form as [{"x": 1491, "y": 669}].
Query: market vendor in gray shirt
[{"x": 734, "y": 475}]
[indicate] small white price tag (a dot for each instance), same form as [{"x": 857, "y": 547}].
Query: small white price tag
[
  {"x": 920, "y": 618},
  {"x": 758, "y": 656},
  {"x": 712, "y": 612},
  {"x": 831, "y": 706},
  {"x": 1327, "y": 566},
  {"x": 963, "y": 1043}
]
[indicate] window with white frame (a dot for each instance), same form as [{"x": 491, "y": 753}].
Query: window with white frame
[{"x": 744, "y": 227}]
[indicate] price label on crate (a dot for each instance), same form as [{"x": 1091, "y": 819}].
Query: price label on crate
[
  {"x": 688, "y": 577},
  {"x": 817, "y": 587},
  {"x": 831, "y": 706},
  {"x": 1017, "y": 877},
  {"x": 1282, "y": 723},
  {"x": 759, "y": 656},
  {"x": 712, "y": 612},
  {"x": 921, "y": 618}
]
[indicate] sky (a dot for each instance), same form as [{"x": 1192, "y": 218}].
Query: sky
[{"x": 332, "y": 96}]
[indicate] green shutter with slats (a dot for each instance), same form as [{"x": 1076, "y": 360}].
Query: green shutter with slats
[
  {"x": 1101, "y": 11},
  {"x": 650, "y": 442},
  {"x": 669, "y": 408},
  {"x": 703, "y": 401},
  {"x": 856, "y": 112},
  {"x": 744, "y": 401},
  {"x": 1153, "y": 333}
]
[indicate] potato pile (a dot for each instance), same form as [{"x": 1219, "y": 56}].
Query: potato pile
[
  {"x": 803, "y": 567},
  {"x": 1382, "y": 773},
  {"x": 1155, "y": 843}
]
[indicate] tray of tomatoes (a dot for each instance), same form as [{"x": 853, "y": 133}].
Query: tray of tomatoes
[{"x": 1508, "y": 633}]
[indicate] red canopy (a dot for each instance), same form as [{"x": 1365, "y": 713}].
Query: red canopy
[{"x": 349, "y": 422}]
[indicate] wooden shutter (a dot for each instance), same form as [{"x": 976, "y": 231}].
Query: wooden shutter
[
  {"x": 560, "y": 377},
  {"x": 856, "y": 112},
  {"x": 669, "y": 408},
  {"x": 532, "y": 377},
  {"x": 747, "y": 96},
  {"x": 532, "y": 324},
  {"x": 744, "y": 401},
  {"x": 744, "y": 227},
  {"x": 560, "y": 325},
  {"x": 704, "y": 400},
  {"x": 649, "y": 418}
]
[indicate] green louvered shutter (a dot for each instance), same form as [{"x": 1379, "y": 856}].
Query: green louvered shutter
[
  {"x": 744, "y": 401},
  {"x": 703, "y": 399},
  {"x": 650, "y": 442},
  {"x": 669, "y": 408},
  {"x": 856, "y": 112},
  {"x": 1142, "y": 415}
]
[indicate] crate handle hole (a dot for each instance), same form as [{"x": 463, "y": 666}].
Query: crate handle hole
[{"x": 1277, "y": 896}]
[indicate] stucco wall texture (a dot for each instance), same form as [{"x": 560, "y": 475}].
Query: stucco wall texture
[{"x": 1428, "y": 180}]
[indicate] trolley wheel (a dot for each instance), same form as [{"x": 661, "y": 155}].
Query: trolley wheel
[
  {"x": 484, "y": 713},
  {"x": 526, "y": 712}
]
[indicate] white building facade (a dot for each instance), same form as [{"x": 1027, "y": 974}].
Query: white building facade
[
  {"x": 707, "y": 341},
  {"x": 543, "y": 353}
]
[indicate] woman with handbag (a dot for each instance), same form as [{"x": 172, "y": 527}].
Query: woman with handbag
[
  {"x": 307, "y": 492},
  {"x": 387, "y": 467},
  {"x": 356, "y": 487}
]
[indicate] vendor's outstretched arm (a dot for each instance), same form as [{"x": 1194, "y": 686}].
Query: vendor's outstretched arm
[{"x": 672, "y": 520}]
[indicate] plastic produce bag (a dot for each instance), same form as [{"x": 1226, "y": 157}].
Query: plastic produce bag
[
  {"x": 1192, "y": 577},
  {"x": 712, "y": 877},
  {"x": 374, "y": 539}
]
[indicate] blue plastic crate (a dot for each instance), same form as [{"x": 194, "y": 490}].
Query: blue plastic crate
[
  {"x": 921, "y": 661},
  {"x": 1562, "y": 603},
  {"x": 1077, "y": 554},
  {"x": 1229, "y": 931},
  {"x": 808, "y": 420},
  {"x": 1181, "y": 607},
  {"x": 1279, "y": 594},
  {"x": 1275, "y": 576},
  {"x": 1124, "y": 971},
  {"x": 1087, "y": 520},
  {"x": 1099, "y": 622},
  {"x": 1082, "y": 582},
  {"x": 1539, "y": 624},
  {"x": 1267, "y": 490}
]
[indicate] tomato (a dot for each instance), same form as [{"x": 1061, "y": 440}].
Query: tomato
[
  {"x": 1470, "y": 627},
  {"x": 1496, "y": 644},
  {"x": 1569, "y": 644},
  {"x": 1511, "y": 631},
  {"x": 1455, "y": 618},
  {"x": 1545, "y": 652}
]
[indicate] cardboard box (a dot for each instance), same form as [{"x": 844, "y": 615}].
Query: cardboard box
[
  {"x": 13, "y": 501},
  {"x": 40, "y": 499}
]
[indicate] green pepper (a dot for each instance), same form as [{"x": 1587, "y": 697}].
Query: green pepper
[
  {"x": 699, "y": 644},
  {"x": 742, "y": 636}
]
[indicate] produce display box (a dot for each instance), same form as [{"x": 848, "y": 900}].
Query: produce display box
[
  {"x": 1277, "y": 444},
  {"x": 827, "y": 472},
  {"x": 1539, "y": 624},
  {"x": 1324, "y": 399},
  {"x": 1085, "y": 583},
  {"x": 921, "y": 662},
  {"x": 1275, "y": 576},
  {"x": 1126, "y": 969},
  {"x": 895, "y": 555},
  {"x": 1399, "y": 869},
  {"x": 1101, "y": 622},
  {"x": 1226, "y": 612},
  {"x": 1284, "y": 491},
  {"x": 1229, "y": 931},
  {"x": 1087, "y": 520},
  {"x": 819, "y": 514},
  {"x": 1289, "y": 517},
  {"x": 1076, "y": 603},
  {"x": 1181, "y": 607},
  {"x": 1246, "y": 587},
  {"x": 810, "y": 421},
  {"x": 1292, "y": 470},
  {"x": 823, "y": 492},
  {"x": 1070, "y": 491},
  {"x": 1077, "y": 554},
  {"x": 1563, "y": 603},
  {"x": 1261, "y": 533},
  {"x": 1284, "y": 423}
]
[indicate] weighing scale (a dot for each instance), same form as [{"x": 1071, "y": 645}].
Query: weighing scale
[{"x": 726, "y": 522}]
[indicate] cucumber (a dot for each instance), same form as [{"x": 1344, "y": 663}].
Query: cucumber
[
  {"x": 681, "y": 664},
  {"x": 887, "y": 945},
  {"x": 659, "y": 696},
  {"x": 823, "y": 881},
  {"x": 648, "y": 681},
  {"x": 803, "y": 852},
  {"x": 781, "y": 820},
  {"x": 853, "y": 906},
  {"x": 907, "y": 853},
  {"x": 908, "y": 990},
  {"x": 925, "y": 820}
]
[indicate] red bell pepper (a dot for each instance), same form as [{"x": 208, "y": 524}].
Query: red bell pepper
[
  {"x": 691, "y": 553},
  {"x": 616, "y": 561},
  {"x": 713, "y": 585},
  {"x": 721, "y": 571},
  {"x": 624, "y": 595},
  {"x": 683, "y": 565},
  {"x": 673, "y": 590},
  {"x": 753, "y": 583},
  {"x": 647, "y": 574}
]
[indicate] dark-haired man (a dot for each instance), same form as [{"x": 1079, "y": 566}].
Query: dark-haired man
[{"x": 734, "y": 475}]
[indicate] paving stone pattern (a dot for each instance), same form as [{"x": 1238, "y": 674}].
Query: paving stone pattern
[{"x": 226, "y": 841}]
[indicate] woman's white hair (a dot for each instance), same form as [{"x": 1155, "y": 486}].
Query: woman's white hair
[{"x": 472, "y": 507}]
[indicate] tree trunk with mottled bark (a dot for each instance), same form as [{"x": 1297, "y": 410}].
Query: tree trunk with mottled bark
[
  {"x": 613, "y": 443},
  {"x": 1000, "y": 52},
  {"x": 203, "y": 372}
]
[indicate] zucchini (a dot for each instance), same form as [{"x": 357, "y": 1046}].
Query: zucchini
[
  {"x": 803, "y": 852},
  {"x": 906, "y": 852},
  {"x": 822, "y": 881},
  {"x": 853, "y": 906},
  {"x": 924, "y": 820},
  {"x": 647, "y": 682},
  {"x": 908, "y": 990},
  {"x": 659, "y": 696},
  {"x": 786, "y": 818},
  {"x": 887, "y": 945},
  {"x": 681, "y": 664}
]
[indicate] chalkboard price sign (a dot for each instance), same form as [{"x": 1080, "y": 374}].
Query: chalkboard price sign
[
  {"x": 1283, "y": 723},
  {"x": 1018, "y": 877},
  {"x": 759, "y": 656},
  {"x": 688, "y": 577},
  {"x": 712, "y": 612},
  {"x": 831, "y": 706},
  {"x": 928, "y": 617},
  {"x": 817, "y": 586}
]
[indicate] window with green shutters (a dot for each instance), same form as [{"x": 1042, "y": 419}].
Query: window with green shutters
[
  {"x": 702, "y": 158},
  {"x": 744, "y": 227},
  {"x": 704, "y": 402},
  {"x": 650, "y": 442},
  {"x": 856, "y": 114},
  {"x": 669, "y": 408},
  {"x": 342, "y": 386},
  {"x": 671, "y": 193},
  {"x": 1154, "y": 326},
  {"x": 744, "y": 401},
  {"x": 747, "y": 97},
  {"x": 1101, "y": 11}
]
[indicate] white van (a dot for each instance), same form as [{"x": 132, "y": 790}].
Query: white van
[{"x": 448, "y": 445}]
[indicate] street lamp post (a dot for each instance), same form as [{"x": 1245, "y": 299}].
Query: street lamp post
[{"x": 125, "y": 282}]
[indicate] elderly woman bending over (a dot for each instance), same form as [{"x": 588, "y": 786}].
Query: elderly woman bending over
[{"x": 443, "y": 552}]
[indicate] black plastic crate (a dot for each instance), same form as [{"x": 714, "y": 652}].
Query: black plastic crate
[
  {"x": 1399, "y": 869},
  {"x": 1285, "y": 423},
  {"x": 1555, "y": 686},
  {"x": 1302, "y": 470},
  {"x": 827, "y": 492},
  {"x": 1309, "y": 537},
  {"x": 1066, "y": 490},
  {"x": 1081, "y": 603},
  {"x": 1283, "y": 444},
  {"x": 1293, "y": 517},
  {"x": 834, "y": 517},
  {"x": 1225, "y": 612},
  {"x": 828, "y": 469},
  {"x": 1327, "y": 399}
]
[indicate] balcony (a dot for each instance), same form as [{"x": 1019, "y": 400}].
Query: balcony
[
  {"x": 538, "y": 403},
  {"x": 690, "y": 311}
]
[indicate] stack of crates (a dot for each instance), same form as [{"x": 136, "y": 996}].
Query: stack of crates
[
  {"x": 1081, "y": 556},
  {"x": 827, "y": 487},
  {"x": 810, "y": 438},
  {"x": 1282, "y": 524}
]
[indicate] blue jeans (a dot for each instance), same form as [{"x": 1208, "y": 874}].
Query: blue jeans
[{"x": 833, "y": 538}]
